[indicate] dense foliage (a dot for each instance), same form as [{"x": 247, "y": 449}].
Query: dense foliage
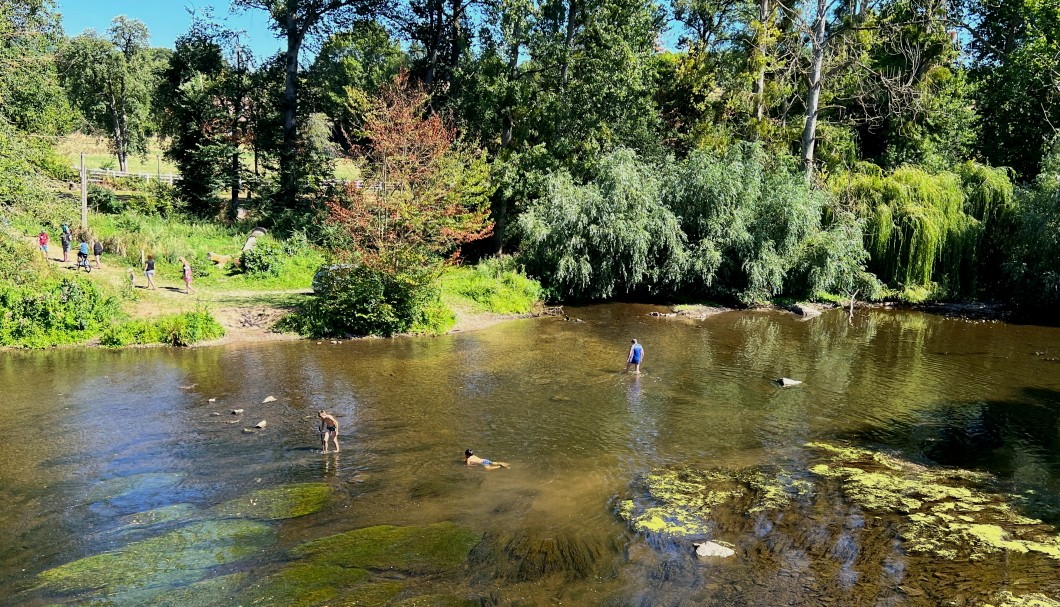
[{"x": 812, "y": 148}]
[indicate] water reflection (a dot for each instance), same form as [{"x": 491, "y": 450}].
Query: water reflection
[{"x": 547, "y": 396}]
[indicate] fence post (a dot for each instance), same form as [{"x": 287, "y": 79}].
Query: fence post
[{"x": 84, "y": 194}]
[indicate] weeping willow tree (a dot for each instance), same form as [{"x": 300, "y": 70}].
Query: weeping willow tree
[
  {"x": 610, "y": 236},
  {"x": 925, "y": 232},
  {"x": 756, "y": 230}
]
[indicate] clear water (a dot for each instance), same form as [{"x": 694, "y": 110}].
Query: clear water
[{"x": 546, "y": 396}]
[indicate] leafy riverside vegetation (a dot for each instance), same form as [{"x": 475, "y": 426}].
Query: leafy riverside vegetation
[{"x": 828, "y": 151}]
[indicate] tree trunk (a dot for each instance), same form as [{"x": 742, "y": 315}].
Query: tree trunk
[
  {"x": 813, "y": 95},
  {"x": 572, "y": 10},
  {"x": 434, "y": 41},
  {"x": 765, "y": 10},
  {"x": 288, "y": 155},
  {"x": 513, "y": 65}
]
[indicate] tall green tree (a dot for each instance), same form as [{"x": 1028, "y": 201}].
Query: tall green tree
[
  {"x": 297, "y": 21},
  {"x": 31, "y": 98},
  {"x": 348, "y": 72},
  {"x": 1015, "y": 46},
  {"x": 111, "y": 81},
  {"x": 204, "y": 102}
]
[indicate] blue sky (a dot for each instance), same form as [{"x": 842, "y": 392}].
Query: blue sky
[{"x": 167, "y": 19}]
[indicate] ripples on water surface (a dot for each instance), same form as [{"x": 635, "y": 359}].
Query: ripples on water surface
[{"x": 88, "y": 439}]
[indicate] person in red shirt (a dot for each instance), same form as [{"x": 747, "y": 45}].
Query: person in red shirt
[{"x": 42, "y": 241}]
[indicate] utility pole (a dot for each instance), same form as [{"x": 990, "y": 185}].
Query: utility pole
[{"x": 84, "y": 194}]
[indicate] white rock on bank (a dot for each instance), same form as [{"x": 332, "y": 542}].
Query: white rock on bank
[
  {"x": 261, "y": 424},
  {"x": 268, "y": 399}
]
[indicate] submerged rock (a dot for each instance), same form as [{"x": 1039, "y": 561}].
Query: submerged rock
[
  {"x": 274, "y": 503},
  {"x": 199, "y": 594},
  {"x": 125, "y": 485},
  {"x": 529, "y": 556},
  {"x": 165, "y": 514},
  {"x": 846, "y": 526},
  {"x": 302, "y": 585},
  {"x": 180, "y": 556},
  {"x": 712, "y": 549},
  {"x": 440, "y": 547}
]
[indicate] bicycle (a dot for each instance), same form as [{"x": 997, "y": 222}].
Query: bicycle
[{"x": 82, "y": 262}]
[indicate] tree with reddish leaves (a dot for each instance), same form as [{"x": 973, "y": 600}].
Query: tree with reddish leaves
[{"x": 422, "y": 195}]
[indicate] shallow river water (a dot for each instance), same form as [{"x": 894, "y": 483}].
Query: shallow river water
[{"x": 112, "y": 453}]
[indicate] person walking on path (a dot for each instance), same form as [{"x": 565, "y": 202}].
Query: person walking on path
[
  {"x": 42, "y": 242},
  {"x": 471, "y": 459},
  {"x": 66, "y": 238},
  {"x": 636, "y": 354},
  {"x": 149, "y": 271},
  {"x": 97, "y": 250},
  {"x": 329, "y": 430},
  {"x": 186, "y": 271}
]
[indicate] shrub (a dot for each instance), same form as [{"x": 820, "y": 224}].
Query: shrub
[
  {"x": 53, "y": 311},
  {"x": 359, "y": 300},
  {"x": 494, "y": 285},
  {"x": 264, "y": 258},
  {"x": 176, "y": 329},
  {"x": 104, "y": 200}
]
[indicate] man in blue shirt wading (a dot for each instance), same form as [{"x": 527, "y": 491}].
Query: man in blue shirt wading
[{"x": 636, "y": 354}]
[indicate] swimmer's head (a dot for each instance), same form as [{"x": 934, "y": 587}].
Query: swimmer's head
[
  {"x": 468, "y": 453},
  {"x": 321, "y": 413},
  {"x": 632, "y": 341}
]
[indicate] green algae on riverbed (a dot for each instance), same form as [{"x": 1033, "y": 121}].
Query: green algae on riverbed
[
  {"x": 433, "y": 548},
  {"x": 180, "y": 556},
  {"x": 275, "y": 503},
  {"x": 679, "y": 502},
  {"x": 158, "y": 516},
  {"x": 950, "y": 513}
]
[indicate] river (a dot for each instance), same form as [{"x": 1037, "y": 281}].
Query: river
[{"x": 136, "y": 452}]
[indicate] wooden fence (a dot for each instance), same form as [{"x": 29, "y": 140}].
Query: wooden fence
[{"x": 100, "y": 175}]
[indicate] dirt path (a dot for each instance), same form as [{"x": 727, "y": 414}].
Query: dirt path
[{"x": 247, "y": 315}]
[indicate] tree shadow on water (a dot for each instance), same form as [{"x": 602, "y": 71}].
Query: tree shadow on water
[{"x": 1016, "y": 440}]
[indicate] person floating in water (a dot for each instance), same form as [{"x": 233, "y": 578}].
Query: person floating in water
[
  {"x": 329, "y": 429},
  {"x": 636, "y": 354},
  {"x": 473, "y": 460}
]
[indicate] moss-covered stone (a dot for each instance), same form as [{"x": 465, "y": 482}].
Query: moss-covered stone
[
  {"x": 370, "y": 594},
  {"x": 180, "y": 556},
  {"x": 207, "y": 593},
  {"x": 158, "y": 516},
  {"x": 124, "y": 485},
  {"x": 302, "y": 585},
  {"x": 432, "y": 548},
  {"x": 274, "y": 503},
  {"x": 436, "y": 600},
  {"x": 528, "y": 555}
]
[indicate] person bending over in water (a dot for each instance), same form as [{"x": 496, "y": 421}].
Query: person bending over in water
[
  {"x": 636, "y": 354},
  {"x": 329, "y": 429},
  {"x": 473, "y": 460}
]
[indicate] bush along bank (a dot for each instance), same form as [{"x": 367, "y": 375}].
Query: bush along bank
[
  {"x": 42, "y": 306},
  {"x": 182, "y": 329},
  {"x": 357, "y": 300}
]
